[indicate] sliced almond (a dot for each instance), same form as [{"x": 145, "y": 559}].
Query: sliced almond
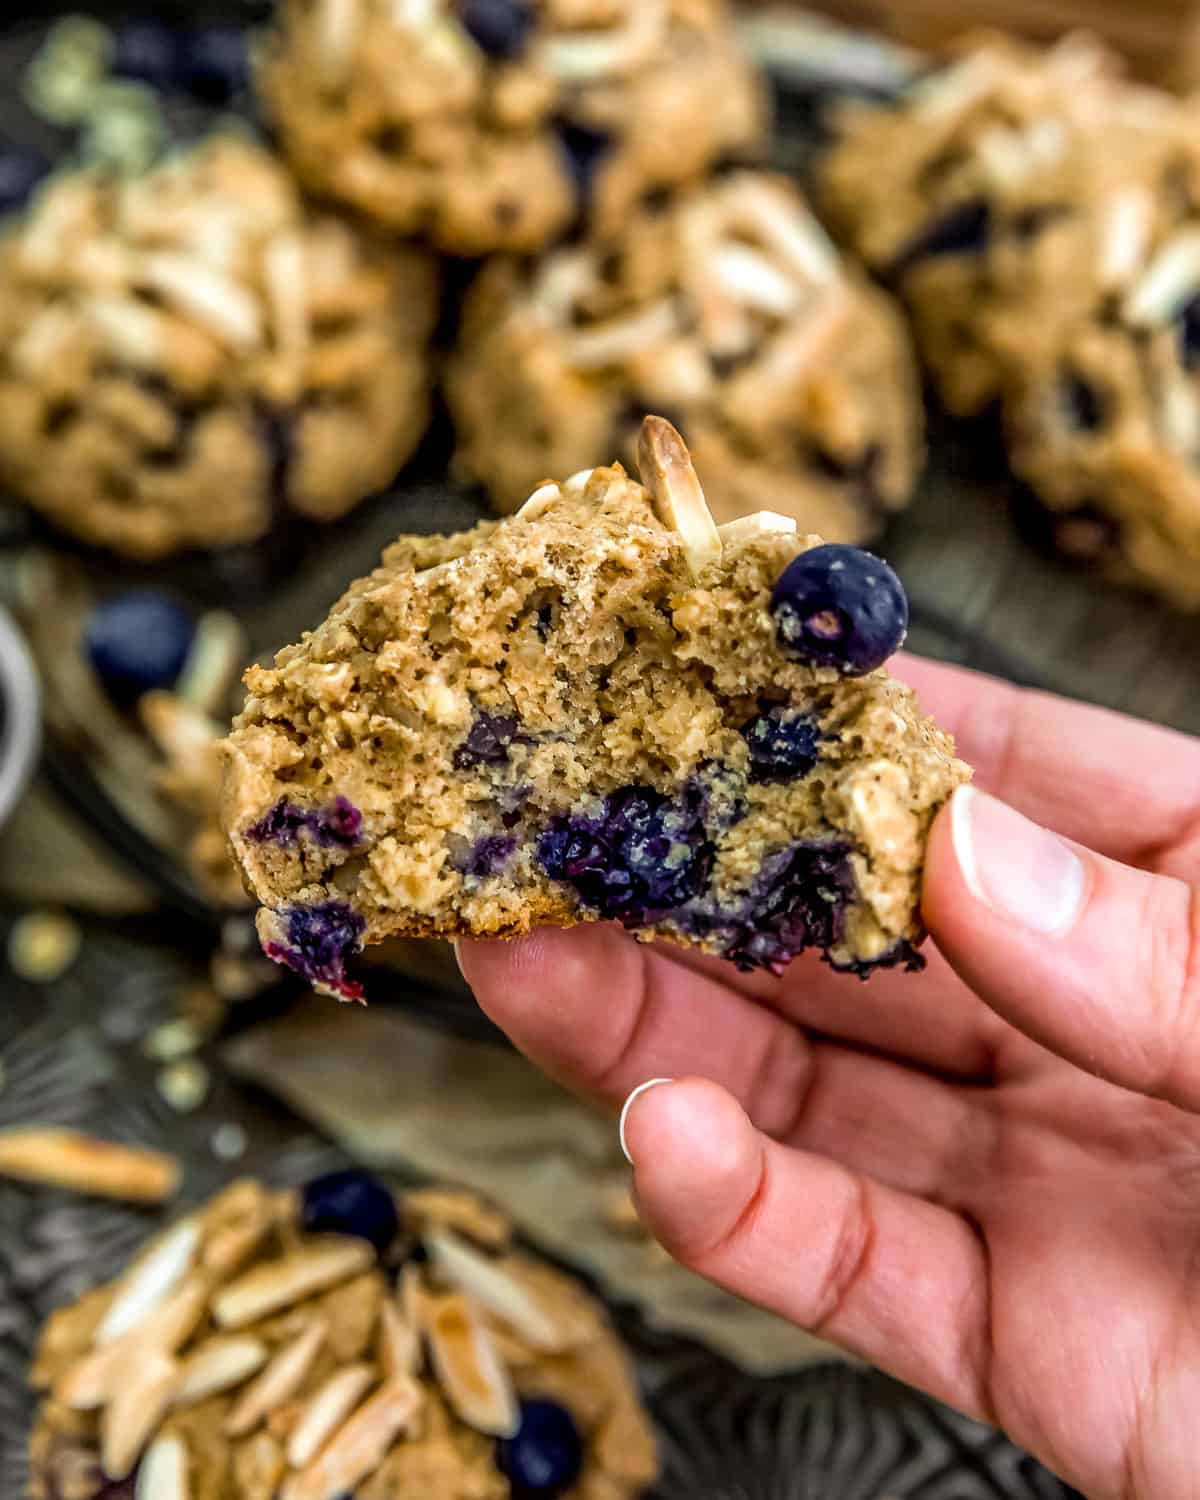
[
  {"x": 668, "y": 473},
  {"x": 1126, "y": 225},
  {"x": 597, "y": 345},
  {"x": 338, "y": 25},
  {"x": 227, "y": 1250},
  {"x": 151, "y": 1280},
  {"x": 577, "y": 483},
  {"x": 460, "y": 1212},
  {"x": 278, "y": 1383},
  {"x": 540, "y": 501},
  {"x": 399, "y": 1343},
  {"x": 494, "y": 1290},
  {"x": 1171, "y": 278},
  {"x": 468, "y": 1367},
  {"x": 94, "y": 1380},
  {"x": 219, "y": 1365},
  {"x": 760, "y": 523},
  {"x": 163, "y": 1474},
  {"x": 284, "y": 276},
  {"x": 280, "y": 1283},
  {"x": 326, "y": 1411},
  {"x": 579, "y": 56},
  {"x": 749, "y": 277},
  {"x": 137, "y": 1407},
  {"x": 83, "y": 1164},
  {"x": 361, "y": 1445},
  {"x": 222, "y": 305}
]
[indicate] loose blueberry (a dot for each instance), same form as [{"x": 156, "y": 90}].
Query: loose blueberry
[
  {"x": 1189, "y": 334},
  {"x": 585, "y": 149},
  {"x": 148, "y": 51},
  {"x": 487, "y": 741},
  {"x": 499, "y": 28},
  {"x": 642, "y": 856},
  {"x": 317, "y": 941},
  {"x": 962, "y": 230},
  {"x": 21, "y": 169},
  {"x": 215, "y": 63},
  {"x": 336, "y": 826},
  {"x": 1081, "y": 405},
  {"x": 351, "y": 1202},
  {"x": 783, "y": 744},
  {"x": 545, "y": 1457},
  {"x": 137, "y": 642},
  {"x": 837, "y": 606}
]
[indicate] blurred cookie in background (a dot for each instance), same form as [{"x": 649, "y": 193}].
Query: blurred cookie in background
[
  {"x": 189, "y": 356},
  {"x": 489, "y": 125},
  {"x": 726, "y": 307}
]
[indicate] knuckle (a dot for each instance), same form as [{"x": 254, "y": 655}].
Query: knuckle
[{"x": 849, "y": 1258}]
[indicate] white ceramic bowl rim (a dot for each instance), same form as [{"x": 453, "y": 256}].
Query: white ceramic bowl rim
[{"x": 21, "y": 737}]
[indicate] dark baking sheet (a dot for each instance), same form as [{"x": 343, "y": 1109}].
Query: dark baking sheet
[{"x": 70, "y": 1054}]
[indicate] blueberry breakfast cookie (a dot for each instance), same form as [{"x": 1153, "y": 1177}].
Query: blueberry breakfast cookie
[
  {"x": 189, "y": 355},
  {"x": 602, "y": 707},
  {"x": 334, "y": 1341},
  {"x": 943, "y": 190},
  {"x": 1102, "y": 343},
  {"x": 487, "y": 125},
  {"x": 791, "y": 378}
]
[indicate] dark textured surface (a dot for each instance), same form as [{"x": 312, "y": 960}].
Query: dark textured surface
[{"x": 71, "y": 1055}]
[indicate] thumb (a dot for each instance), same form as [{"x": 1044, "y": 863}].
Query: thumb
[{"x": 1094, "y": 959}]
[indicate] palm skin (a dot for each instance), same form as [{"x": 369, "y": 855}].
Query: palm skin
[{"x": 986, "y": 1178}]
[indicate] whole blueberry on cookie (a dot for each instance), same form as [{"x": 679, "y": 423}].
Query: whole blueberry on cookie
[
  {"x": 350, "y": 1202},
  {"x": 837, "y": 606},
  {"x": 137, "y": 642},
  {"x": 545, "y": 1456}
]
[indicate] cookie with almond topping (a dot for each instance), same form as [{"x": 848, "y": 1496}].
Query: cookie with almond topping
[
  {"x": 600, "y": 708},
  {"x": 486, "y": 125},
  {"x": 791, "y": 378},
  {"x": 340, "y": 1339},
  {"x": 190, "y": 357}
]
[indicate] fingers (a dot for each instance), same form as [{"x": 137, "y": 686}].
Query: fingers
[
  {"x": 602, "y": 1014},
  {"x": 1083, "y": 771},
  {"x": 1096, "y": 960},
  {"x": 900, "y": 1282}
]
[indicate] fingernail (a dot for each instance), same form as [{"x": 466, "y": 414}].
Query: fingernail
[
  {"x": 641, "y": 1089},
  {"x": 1019, "y": 869},
  {"x": 455, "y": 948}
]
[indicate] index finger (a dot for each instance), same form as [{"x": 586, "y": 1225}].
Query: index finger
[{"x": 1122, "y": 787}]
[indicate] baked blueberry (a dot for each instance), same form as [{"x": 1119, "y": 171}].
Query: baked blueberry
[
  {"x": 137, "y": 642},
  {"x": 545, "y": 1456},
  {"x": 148, "y": 51},
  {"x": 585, "y": 149},
  {"x": 961, "y": 230},
  {"x": 487, "y": 741},
  {"x": 21, "y": 169},
  {"x": 783, "y": 744},
  {"x": 315, "y": 942},
  {"x": 837, "y": 606},
  {"x": 642, "y": 855},
  {"x": 337, "y": 825},
  {"x": 499, "y": 28},
  {"x": 1189, "y": 334},
  {"x": 351, "y": 1202},
  {"x": 215, "y": 63}
]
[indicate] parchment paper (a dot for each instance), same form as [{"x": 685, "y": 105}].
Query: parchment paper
[{"x": 393, "y": 1091}]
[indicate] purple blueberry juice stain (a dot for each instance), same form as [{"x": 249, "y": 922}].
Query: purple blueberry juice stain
[
  {"x": 317, "y": 942},
  {"x": 338, "y": 825},
  {"x": 487, "y": 741},
  {"x": 487, "y": 855}
]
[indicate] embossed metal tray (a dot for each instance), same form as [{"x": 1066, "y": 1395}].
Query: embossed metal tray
[{"x": 71, "y": 1055}]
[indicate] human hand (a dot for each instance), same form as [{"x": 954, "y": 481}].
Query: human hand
[{"x": 984, "y": 1179}]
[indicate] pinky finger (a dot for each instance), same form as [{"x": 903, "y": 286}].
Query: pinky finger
[{"x": 889, "y": 1277}]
